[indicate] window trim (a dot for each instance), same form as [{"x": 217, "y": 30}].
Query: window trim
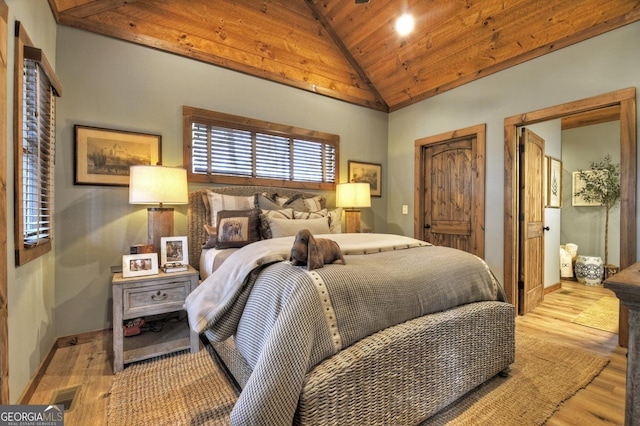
[
  {"x": 202, "y": 116},
  {"x": 24, "y": 49}
]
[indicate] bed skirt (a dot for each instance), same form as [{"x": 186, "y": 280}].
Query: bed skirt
[{"x": 403, "y": 374}]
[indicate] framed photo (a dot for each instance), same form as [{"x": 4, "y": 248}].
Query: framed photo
[
  {"x": 174, "y": 251},
  {"x": 545, "y": 180},
  {"x": 554, "y": 183},
  {"x": 137, "y": 265},
  {"x": 367, "y": 172},
  {"x": 103, "y": 156},
  {"x": 577, "y": 185}
]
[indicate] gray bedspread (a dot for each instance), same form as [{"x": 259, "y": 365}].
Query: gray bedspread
[{"x": 286, "y": 319}]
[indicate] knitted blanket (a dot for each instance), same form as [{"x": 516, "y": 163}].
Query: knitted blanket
[{"x": 286, "y": 319}]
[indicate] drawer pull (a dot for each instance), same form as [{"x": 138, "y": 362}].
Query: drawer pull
[{"x": 159, "y": 297}]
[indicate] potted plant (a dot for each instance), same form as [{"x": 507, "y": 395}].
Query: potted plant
[{"x": 602, "y": 186}]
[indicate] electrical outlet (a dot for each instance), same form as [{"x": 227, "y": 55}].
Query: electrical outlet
[{"x": 405, "y": 209}]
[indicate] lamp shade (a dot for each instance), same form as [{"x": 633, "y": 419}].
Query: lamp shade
[
  {"x": 157, "y": 185},
  {"x": 353, "y": 195}
]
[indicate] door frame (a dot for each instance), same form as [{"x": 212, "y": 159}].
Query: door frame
[
  {"x": 479, "y": 132},
  {"x": 625, "y": 99},
  {"x": 4, "y": 315}
]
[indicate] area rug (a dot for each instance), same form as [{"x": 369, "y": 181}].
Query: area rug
[
  {"x": 180, "y": 389},
  {"x": 190, "y": 389},
  {"x": 602, "y": 315},
  {"x": 543, "y": 376}
]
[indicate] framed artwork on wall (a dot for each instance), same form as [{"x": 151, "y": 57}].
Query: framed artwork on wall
[
  {"x": 367, "y": 172},
  {"x": 554, "y": 183},
  {"x": 103, "y": 156},
  {"x": 577, "y": 185}
]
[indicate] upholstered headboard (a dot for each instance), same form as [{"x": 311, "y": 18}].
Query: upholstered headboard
[{"x": 197, "y": 212}]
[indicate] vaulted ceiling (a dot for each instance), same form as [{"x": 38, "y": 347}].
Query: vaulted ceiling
[{"x": 351, "y": 51}]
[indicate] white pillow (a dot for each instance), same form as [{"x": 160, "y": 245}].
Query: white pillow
[
  {"x": 335, "y": 218},
  {"x": 290, "y": 227},
  {"x": 310, "y": 215},
  {"x": 218, "y": 202}
]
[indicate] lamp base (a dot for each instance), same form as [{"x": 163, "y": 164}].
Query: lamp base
[
  {"x": 160, "y": 220},
  {"x": 352, "y": 220}
]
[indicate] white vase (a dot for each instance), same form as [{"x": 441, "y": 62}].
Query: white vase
[{"x": 589, "y": 270}]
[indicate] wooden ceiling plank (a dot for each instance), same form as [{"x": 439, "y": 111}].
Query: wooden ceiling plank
[
  {"x": 283, "y": 41},
  {"x": 483, "y": 54},
  {"x": 236, "y": 36},
  {"x": 91, "y": 8},
  {"x": 455, "y": 32},
  {"x": 243, "y": 62},
  {"x": 64, "y": 5},
  {"x": 439, "y": 45},
  {"x": 347, "y": 54},
  {"x": 354, "y": 22},
  {"x": 567, "y": 41},
  {"x": 502, "y": 28},
  {"x": 453, "y": 16}
]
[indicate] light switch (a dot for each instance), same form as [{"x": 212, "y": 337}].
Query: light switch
[{"x": 405, "y": 209}]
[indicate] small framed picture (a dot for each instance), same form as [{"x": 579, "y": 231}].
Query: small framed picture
[
  {"x": 137, "y": 265},
  {"x": 367, "y": 172},
  {"x": 174, "y": 251},
  {"x": 554, "y": 183}
]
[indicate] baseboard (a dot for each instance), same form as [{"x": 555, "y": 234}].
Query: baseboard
[
  {"x": 79, "y": 339},
  {"x": 60, "y": 342},
  {"x": 35, "y": 380},
  {"x": 552, "y": 288}
]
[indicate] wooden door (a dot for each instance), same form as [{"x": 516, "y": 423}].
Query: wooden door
[
  {"x": 531, "y": 263},
  {"x": 451, "y": 206}
]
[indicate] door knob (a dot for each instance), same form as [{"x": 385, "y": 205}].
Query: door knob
[{"x": 427, "y": 226}]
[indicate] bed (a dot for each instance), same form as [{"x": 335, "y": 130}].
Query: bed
[{"x": 392, "y": 337}]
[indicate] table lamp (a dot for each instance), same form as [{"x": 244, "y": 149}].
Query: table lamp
[
  {"x": 353, "y": 196},
  {"x": 158, "y": 185}
]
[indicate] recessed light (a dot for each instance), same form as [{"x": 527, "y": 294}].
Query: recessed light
[{"x": 404, "y": 24}]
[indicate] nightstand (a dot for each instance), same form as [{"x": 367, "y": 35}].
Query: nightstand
[{"x": 151, "y": 295}]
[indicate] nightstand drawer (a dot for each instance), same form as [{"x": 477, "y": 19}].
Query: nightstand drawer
[{"x": 149, "y": 300}]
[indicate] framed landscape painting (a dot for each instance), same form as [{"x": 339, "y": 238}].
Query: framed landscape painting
[
  {"x": 103, "y": 156},
  {"x": 367, "y": 172}
]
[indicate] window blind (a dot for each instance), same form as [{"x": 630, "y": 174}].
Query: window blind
[
  {"x": 37, "y": 155},
  {"x": 217, "y": 150}
]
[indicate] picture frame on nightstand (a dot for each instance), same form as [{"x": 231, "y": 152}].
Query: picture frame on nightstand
[
  {"x": 174, "y": 254},
  {"x": 138, "y": 265}
]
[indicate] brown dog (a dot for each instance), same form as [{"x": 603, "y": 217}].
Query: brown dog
[{"x": 314, "y": 252}]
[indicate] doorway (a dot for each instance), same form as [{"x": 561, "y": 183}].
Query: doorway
[{"x": 625, "y": 101}]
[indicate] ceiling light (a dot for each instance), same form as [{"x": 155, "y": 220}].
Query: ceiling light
[{"x": 404, "y": 24}]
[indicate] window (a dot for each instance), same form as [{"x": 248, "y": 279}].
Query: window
[
  {"x": 36, "y": 91},
  {"x": 224, "y": 148}
]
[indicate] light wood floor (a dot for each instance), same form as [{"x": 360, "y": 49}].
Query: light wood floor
[{"x": 601, "y": 403}]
